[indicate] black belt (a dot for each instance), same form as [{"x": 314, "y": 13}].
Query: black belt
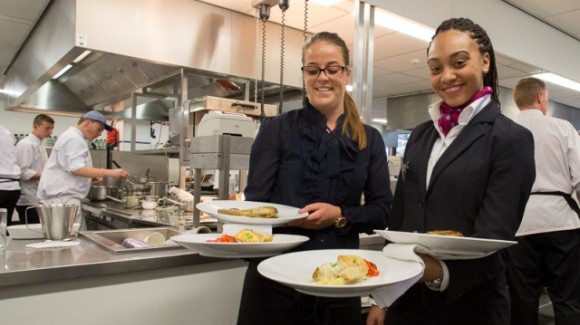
[
  {"x": 568, "y": 197},
  {"x": 8, "y": 180}
]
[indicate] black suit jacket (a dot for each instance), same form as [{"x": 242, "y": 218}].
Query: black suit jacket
[{"x": 479, "y": 186}]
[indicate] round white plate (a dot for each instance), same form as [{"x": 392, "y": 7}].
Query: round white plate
[
  {"x": 286, "y": 213},
  {"x": 295, "y": 270},
  {"x": 198, "y": 243},
  {"x": 449, "y": 246}
]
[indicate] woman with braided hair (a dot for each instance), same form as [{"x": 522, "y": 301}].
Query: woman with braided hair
[{"x": 468, "y": 169}]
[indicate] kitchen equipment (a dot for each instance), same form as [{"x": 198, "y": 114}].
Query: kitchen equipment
[
  {"x": 111, "y": 181},
  {"x": 98, "y": 193},
  {"x": 57, "y": 220},
  {"x": 149, "y": 205},
  {"x": 129, "y": 202},
  {"x": 136, "y": 186},
  {"x": 158, "y": 189},
  {"x": 112, "y": 240},
  {"x": 220, "y": 123}
]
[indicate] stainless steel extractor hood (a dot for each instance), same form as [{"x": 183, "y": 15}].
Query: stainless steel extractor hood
[{"x": 145, "y": 49}]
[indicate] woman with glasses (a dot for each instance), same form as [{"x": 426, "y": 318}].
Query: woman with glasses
[
  {"x": 322, "y": 159},
  {"x": 469, "y": 169}
]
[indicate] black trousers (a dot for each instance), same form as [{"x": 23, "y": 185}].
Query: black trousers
[
  {"x": 550, "y": 260},
  {"x": 270, "y": 303},
  {"x": 8, "y": 200},
  {"x": 31, "y": 214}
]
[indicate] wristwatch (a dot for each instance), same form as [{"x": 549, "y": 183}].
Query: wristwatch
[
  {"x": 340, "y": 222},
  {"x": 436, "y": 284}
]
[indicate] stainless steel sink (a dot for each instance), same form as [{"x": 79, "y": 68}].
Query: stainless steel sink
[{"x": 112, "y": 240}]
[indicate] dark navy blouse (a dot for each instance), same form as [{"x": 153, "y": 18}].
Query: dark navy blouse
[{"x": 296, "y": 160}]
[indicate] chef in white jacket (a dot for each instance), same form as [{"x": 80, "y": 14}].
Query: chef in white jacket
[
  {"x": 69, "y": 172},
  {"x": 31, "y": 156},
  {"x": 9, "y": 173}
]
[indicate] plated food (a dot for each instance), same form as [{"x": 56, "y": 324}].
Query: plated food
[
  {"x": 445, "y": 246},
  {"x": 346, "y": 270},
  {"x": 257, "y": 212},
  {"x": 244, "y": 236},
  {"x": 445, "y": 233},
  {"x": 285, "y": 214},
  {"x": 296, "y": 269},
  {"x": 206, "y": 245}
]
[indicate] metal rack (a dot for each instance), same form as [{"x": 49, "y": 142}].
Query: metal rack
[{"x": 221, "y": 152}]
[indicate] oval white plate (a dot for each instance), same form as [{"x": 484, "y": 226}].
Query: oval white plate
[
  {"x": 286, "y": 213},
  {"x": 295, "y": 270},
  {"x": 448, "y": 247},
  {"x": 198, "y": 243}
]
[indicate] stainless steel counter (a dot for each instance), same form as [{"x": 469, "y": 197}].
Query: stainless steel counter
[
  {"x": 23, "y": 265},
  {"x": 111, "y": 214}
]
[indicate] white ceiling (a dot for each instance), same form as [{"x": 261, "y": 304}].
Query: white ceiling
[{"x": 399, "y": 60}]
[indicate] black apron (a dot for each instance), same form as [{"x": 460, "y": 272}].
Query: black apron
[{"x": 568, "y": 197}]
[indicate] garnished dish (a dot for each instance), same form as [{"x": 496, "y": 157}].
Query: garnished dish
[
  {"x": 368, "y": 270},
  {"x": 258, "y": 212},
  {"x": 244, "y": 244},
  {"x": 244, "y": 236},
  {"x": 346, "y": 270}
]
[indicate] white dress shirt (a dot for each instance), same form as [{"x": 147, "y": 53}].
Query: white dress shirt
[
  {"x": 557, "y": 155},
  {"x": 9, "y": 170},
  {"x": 70, "y": 153},
  {"x": 444, "y": 141},
  {"x": 31, "y": 157}
]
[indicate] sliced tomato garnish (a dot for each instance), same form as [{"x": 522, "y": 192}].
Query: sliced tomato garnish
[
  {"x": 225, "y": 238},
  {"x": 373, "y": 270}
]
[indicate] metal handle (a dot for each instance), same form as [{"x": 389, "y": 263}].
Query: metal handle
[
  {"x": 244, "y": 105},
  {"x": 114, "y": 199}
]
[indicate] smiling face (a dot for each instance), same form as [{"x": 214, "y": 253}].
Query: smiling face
[
  {"x": 456, "y": 67},
  {"x": 326, "y": 90}
]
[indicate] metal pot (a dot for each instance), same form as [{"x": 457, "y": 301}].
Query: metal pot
[
  {"x": 158, "y": 189},
  {"x": 111, "y": 181},
  {"x": 129, "y": 202},
  {"x": 98, "y": 193}
]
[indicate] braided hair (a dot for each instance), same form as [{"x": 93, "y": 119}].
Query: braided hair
[{"x": 479, "y": 35}]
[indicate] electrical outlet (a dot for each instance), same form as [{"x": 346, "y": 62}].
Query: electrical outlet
[{"x": 257, "y": 3}]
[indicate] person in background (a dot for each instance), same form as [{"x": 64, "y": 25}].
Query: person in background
[
  {"x": 69, "y": 171},
  {"x": 468, "y": 169},
  {"x": 320, "y": 158},
  {"x": 9, "y": 173},
  {"x": 31, "y": 156},
  {"x": 548, "y": 250}
]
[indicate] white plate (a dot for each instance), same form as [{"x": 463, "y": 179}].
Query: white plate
[
  {"x": 467, "y": 247},
  {"x": 295, "y": 270},
  {"x": 198, "y": 243},
  {"x": 286, "y": 213}
]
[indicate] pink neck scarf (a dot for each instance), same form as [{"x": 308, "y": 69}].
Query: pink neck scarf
[{"x": 450, "y": 115}]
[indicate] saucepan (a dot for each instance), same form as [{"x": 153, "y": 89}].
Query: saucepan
[{"x": 98, "y": 193}]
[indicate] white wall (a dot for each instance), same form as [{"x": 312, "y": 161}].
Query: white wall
[{"x": 21, "y": 123}]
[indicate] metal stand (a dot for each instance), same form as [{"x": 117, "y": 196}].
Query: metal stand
[{"x": 221, "y": 152}]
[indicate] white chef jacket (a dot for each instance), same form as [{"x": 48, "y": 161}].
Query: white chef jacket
[
  {"x": 31, "y": 157},
  {"x": 8, "y": 167},
  {"x": 70, "y": 153},
  {"x": 557, "y": 155}
]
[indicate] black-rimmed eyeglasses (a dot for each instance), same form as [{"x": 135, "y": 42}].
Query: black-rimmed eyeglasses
[{"x": 311, "y": 71}]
